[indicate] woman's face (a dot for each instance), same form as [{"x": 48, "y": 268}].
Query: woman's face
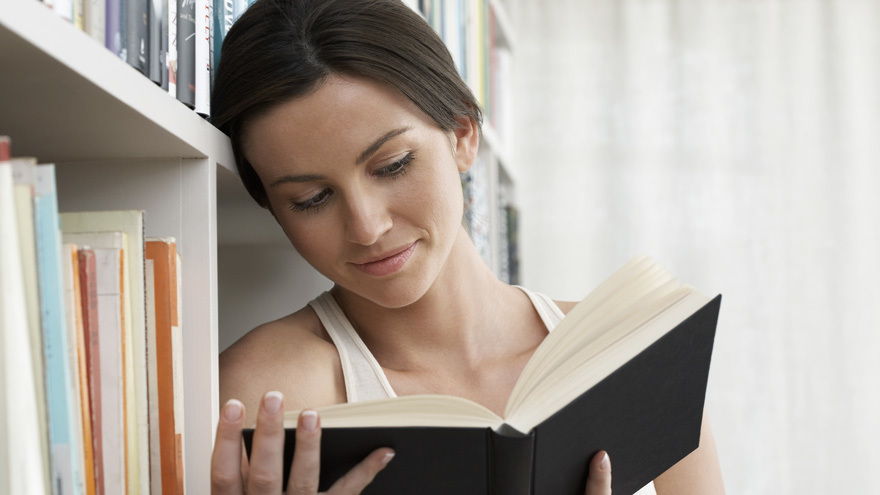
[{"x": 365, "y": 185}]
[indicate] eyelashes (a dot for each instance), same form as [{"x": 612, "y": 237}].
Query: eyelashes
[{"x": 392, "y": 171}]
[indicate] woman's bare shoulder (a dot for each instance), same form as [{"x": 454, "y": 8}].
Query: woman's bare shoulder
[{"x": 292, "y": 355}]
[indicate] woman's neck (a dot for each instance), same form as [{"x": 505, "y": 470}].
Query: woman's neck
[{"x": 459, "y": 317}]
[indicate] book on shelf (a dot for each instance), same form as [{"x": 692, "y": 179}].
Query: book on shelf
[
  {"x": 156, "y": 30},
  {"x": 625, "y": 371},
  {"x": 203, "y": 49},
  {"x": 115, "y": 29},
  {"x": 76, "y": 340},
  {"x": 163, "y": 317},
  {"x": 186, "y": 52},
  {"x": 23, "y": 467},
  {"x": 136, "y": 41},
  {"x": 63, "y": 412},
  {"x": 108, "y": 277},
  {"x": 131, "y": 223},
  {"x": 91, "y": 342},
  {"x": 23, "y": 196}
]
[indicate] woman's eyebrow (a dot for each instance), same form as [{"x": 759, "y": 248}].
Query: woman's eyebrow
[
  {"x": 284, "y": 179},
  {"x": 373, "y": 148}
]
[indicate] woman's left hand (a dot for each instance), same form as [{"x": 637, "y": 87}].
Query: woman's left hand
[{"x": 599, "y": 475}]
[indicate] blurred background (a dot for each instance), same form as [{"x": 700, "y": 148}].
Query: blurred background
[{"x": 738, "y": 142}]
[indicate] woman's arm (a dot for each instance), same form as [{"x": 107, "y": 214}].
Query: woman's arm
[{"x": 699, "y": 473}]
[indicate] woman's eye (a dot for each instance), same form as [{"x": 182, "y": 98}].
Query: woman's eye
[
  {"x": 397, "y": 168},
  {"x": 314, "y": 203}
]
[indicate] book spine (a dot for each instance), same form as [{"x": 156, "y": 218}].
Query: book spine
[
  {"x": 163, "y": 256},
  {"x": 136, "y": 34},
  {"x": 66, "y": 447},
  {"x": 112, "y": 368},
  {"x": 112, "y": 32},
  {"x": 22, "y": 467},
  {"x": 94, "y": 18},
  {"x": 92, "y": 345},
  {"x": 78, "y": 19},
  {"x": 23, "y": 192},
  {"x": 224, "y": 14},
  {"x": 154, "y": 30},
  {"x": 163, "y": 44},
  {"x": 64, "y": 9},
  {"x": 203, "y": 56},
  {"x": 512, "y": 461},
  {"x": 73, "y": 304},
  {"x": 186, "y": 52},
  {"x": 171, "y": 57}
]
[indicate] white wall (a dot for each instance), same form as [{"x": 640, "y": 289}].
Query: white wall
[{"x": 736, "y": 141}]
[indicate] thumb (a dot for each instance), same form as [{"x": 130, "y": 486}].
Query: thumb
[{"x": 599, "y": 476}]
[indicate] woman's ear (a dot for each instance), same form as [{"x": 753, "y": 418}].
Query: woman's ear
[{"x": 465, "y": 143}]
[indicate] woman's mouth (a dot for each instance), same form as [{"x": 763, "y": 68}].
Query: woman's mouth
[{"x": 388, "y": 263}]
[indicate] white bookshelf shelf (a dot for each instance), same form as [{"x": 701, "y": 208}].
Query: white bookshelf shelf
[{"x": 67, "y": 98}]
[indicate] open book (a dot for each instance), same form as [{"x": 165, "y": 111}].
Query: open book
[{"x": 625, "y": 372}]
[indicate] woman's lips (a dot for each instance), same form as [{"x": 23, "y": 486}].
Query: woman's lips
[{"x": 388, "y": 265}]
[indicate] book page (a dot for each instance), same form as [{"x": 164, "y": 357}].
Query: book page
[{"x": 409, "y": 410}]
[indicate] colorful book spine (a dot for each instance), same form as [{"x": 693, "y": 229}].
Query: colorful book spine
[
  {"x": 108, "y": 264},
  {"x": 73, "y": 310},
  {"x": 23, "y": 194},
  {"x": 92, "y": 343},
  {"x": 67, "y": 461},
  {"x": 161, "y": 256},
  {"x": 113, "y": 39},
  {"x": 22, "y": 465}
]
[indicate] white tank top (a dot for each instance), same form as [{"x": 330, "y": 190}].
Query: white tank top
[{"x": 365, "y": 379}]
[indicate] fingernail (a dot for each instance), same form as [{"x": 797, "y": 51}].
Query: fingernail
[
  {"x": 272, "y": 402},
  {"x": 310, "y": 420},
  {"x": 387, "y": 458},
  {"x": 605, "y": 464},
  {"x": 232, "y": 410}
]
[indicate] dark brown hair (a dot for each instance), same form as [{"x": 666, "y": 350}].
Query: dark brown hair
[{"x": 279, "y": 50}]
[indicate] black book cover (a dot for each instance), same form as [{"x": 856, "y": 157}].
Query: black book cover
[
  {"x": 186, "y": 52},
  {"x": 647, "y": 414},
  {"x": 136, "y": 34}
]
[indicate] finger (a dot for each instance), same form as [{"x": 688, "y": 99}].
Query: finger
[
  {"x": 306, "y": 466},
  {"x": 264, "y": 471},
  {"x": 362, "y": 475},
  {"x": 599, "y": 477},
  {"x": 226, "y": 459}
]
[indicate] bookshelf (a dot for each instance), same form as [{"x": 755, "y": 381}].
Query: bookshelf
[{"x": 121, "y": 142}]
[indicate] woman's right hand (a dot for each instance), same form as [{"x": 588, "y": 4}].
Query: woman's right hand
[{"x": 231, "y": 473}]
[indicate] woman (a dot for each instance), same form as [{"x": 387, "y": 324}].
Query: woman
[{"x": 350, "y": 125}]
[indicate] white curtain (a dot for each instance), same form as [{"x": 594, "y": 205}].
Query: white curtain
[{"x": 739, "y": 143}]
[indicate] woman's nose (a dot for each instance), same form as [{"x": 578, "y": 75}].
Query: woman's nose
[{"x": 368, "y": 220}]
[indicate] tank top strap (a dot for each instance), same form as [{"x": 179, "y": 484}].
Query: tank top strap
[
  {"x": 549, "y": 312},
  {"x": 364, "y": 377}
]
